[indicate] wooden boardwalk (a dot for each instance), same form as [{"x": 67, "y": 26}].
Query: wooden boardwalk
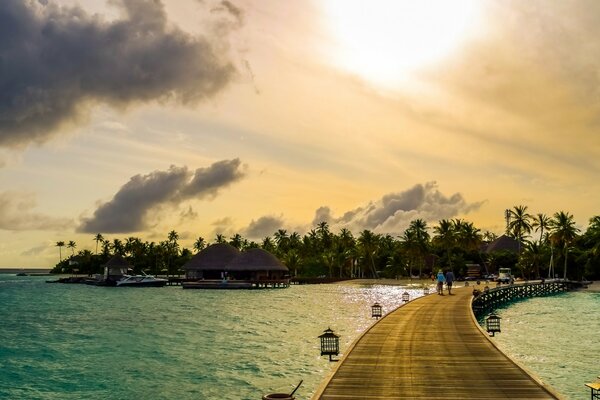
[{"x": 430, "y": 348}]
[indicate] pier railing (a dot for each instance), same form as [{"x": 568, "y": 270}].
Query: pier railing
[{"x": 493, "y": 298}]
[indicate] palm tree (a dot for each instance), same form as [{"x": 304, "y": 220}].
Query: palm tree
[
  {"x": 416, "y": 239},
  {"x": 562, "y": 233},
  {"x": 519, "y": 224},
  {"x": 106, "y": 247},
  {"x": 220, "y": 238},
  {"x": 268, "y": 245},
  {"x": 199, "y": 244},
  {"x": 72, "y": 245},
  {"x": 98, "y": 238},
  {"x": 282, "y": 240},
  {"x": 60, "y": 245},
  {"x": 236, "y": 241},
  {"x": 367, "y": 242},
  {"x": 445, "y": 237},
  {"x": 118, "y": 247},
  {"x": 468, "y": 237},
  {"x": 541, "y": 222}
]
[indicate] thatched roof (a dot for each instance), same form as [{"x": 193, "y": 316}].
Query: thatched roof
[
  {"x": 503, "y": 243},
  {"x": 256, "y": 260},
  {"x": 117, "y": 261},
  {"x": 215, "y": 257}
]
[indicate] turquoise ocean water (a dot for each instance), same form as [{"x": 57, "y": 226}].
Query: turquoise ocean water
[
  {"x": 557, "y": 338},
  {"x": 84, "y": 342}
]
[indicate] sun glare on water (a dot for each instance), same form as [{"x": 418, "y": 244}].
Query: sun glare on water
[{"x": 385, "y": 41}]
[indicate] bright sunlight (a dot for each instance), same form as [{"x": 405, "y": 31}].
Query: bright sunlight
[{"x": 385, "y": 41}]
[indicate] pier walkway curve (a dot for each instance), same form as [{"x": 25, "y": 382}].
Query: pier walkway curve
[{"x": 429, "y": 348}]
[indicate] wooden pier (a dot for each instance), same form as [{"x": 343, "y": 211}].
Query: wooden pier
[
  {"x": 430, "y": 348},
  {"x": 493, "y": 298}
]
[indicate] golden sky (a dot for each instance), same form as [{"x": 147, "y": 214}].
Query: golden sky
[{"x": 138, "y": 117}]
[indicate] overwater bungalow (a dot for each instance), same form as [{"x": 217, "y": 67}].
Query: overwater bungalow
[
  {"x": 222, "y": 266},
  {"x": 210, "y": 263}
]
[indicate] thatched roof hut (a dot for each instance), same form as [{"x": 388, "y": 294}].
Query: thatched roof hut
[
  {"x": 213, "y": 258},
  {"x": 503, "y": 243},
  {"x": 256, "y": 260},
  {"x": 116, "y": 267},
  {"x": 223, "y": 261}
]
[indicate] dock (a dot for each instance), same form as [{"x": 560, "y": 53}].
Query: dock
[{"x": 430, "y": 348}]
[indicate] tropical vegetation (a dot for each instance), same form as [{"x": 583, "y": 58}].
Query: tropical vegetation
[{"x": 421, "y": 249}]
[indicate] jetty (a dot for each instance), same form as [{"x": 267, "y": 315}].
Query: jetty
[{"x": 430, "y": 348}]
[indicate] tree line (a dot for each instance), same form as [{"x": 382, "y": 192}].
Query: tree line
[{"x": 420, "y": 251}]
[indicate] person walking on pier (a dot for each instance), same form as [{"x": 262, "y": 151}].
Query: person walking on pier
[
  {"x": 449, "y": 280},
  {"x": 440, "y": 282}
]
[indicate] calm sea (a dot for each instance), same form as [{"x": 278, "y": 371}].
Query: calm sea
[
  {"x": 84, "y": 342},
  {"x": 557, "y": 338}
]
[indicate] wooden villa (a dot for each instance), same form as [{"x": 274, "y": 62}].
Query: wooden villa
[
  {"x": 222, "y": 266},
  {"x": 115, "y": 268},
  {"x": 210, "y": 263}
]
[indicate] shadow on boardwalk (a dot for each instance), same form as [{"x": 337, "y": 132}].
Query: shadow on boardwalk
[{"x": 430, "y": 348}]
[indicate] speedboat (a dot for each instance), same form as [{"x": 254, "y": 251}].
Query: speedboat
[{"x": 141, "y": 281}]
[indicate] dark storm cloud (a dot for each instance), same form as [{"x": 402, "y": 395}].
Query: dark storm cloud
[
  {"x": 55, "y": 62},
  {"x": 129, "y": 208},
  {"x": 394, "y": 211},
  {"x": 207, "y": 181},
  {"x": 17, "y": 214}
]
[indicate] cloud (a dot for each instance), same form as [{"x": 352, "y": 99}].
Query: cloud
[
  {"x": 394, "y": 211},
  {"x": 37, "y": 250},
  {"x": 529, "y": 87},
  {"x": 263, "y": 227},
  {"x": 57, "y": 61},
  {"x": 128, "y": 210},
  {"x": 16, "y": 214},
  {"x": 391, "y": 214}
]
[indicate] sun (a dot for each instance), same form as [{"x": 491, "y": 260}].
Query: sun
[{"x": 385, "y": 41}]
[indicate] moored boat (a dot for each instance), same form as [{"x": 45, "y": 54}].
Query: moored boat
[{"x": 141, "y": 281}]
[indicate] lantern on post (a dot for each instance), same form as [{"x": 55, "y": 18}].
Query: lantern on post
[
  {"x": 405, "y": 297},
  {"x": 376, "y": 311},
  {"x": 330, "y": 344},
  {"x": 492, "y": 324}
]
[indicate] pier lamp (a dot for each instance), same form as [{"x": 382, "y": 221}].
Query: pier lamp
[
  {"x": 492, "y": 324},
  {"x": 405, "y": 297},
  {"x": 330, "y": 344},
  {"x": 376, "y": 311}
]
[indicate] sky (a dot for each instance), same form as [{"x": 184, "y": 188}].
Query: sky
[{"x": 139, "y": 117}]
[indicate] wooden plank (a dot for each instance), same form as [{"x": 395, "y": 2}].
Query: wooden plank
[{"x": 430, "y": 348}]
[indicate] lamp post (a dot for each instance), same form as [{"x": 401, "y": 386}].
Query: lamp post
[
  {"x": 376, "y": 311},
  {"x": 405, "y": 297},
  {"x": 492, "y": 324},
  {"x": 330, "y": 344}
]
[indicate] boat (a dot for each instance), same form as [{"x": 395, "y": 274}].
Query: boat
[{"x": 141, "y": 281}]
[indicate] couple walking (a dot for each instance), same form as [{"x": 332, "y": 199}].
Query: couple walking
[{"x": 441, "y": 278}]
